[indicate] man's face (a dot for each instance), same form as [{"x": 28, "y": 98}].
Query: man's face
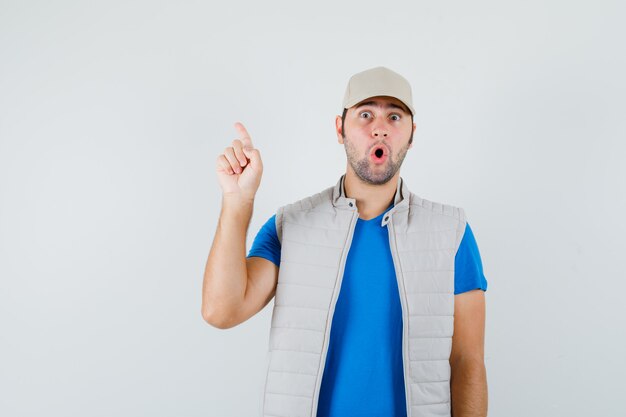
[{"x": 377, "y": 132}]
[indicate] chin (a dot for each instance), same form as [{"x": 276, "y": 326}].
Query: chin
[{"x": 380, "y": 179}]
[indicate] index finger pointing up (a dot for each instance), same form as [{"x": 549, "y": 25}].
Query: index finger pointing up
[{"x": 244, "y": 135}]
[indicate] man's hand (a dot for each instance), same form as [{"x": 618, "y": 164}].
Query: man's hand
[{"x": 239, "y": 168}]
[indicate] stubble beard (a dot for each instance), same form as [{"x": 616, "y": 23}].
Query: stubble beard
[{"x": 370, "y": 173}]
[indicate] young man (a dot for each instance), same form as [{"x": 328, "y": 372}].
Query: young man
[{"x": 380, "y": 307}]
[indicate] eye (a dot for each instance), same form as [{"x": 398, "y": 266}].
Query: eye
[
  {"x": 365, "y": 113},
  {"x": 395, "y": 117}
]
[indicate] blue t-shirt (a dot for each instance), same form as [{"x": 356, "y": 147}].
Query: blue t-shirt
[{"x": 364, "y": 375}]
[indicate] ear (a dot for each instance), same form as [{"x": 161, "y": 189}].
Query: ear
[
  {"x": 411, "y": 145},
  {"x": 338, "y": 129}
]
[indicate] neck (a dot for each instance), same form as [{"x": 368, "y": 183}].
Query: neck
[{"x": 371, "y": 200}]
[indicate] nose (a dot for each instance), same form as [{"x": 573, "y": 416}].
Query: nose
[{"x": 380, "y": 132}]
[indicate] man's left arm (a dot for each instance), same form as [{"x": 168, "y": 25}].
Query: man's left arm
[{"x": 468, "y": 381}]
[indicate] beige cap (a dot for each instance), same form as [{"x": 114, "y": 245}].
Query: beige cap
[{"x": 379, "y": 81}]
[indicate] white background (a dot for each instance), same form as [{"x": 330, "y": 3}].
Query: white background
[{"x": 112, "y": 115}]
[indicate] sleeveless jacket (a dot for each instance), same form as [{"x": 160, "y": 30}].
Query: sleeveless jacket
[{"x": 315, "y": 235}]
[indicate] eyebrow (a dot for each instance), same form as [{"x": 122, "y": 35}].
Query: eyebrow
[{"x": 388, "y": 106}]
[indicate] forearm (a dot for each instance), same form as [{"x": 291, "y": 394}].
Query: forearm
[
  {"x": 468, "y": 386},
  {"x": 226, "y": 275}
]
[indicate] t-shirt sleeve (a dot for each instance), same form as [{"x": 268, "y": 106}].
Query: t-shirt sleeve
[
  {"x": 266, "y": 244},
  {"x": 468, "y": 267}
]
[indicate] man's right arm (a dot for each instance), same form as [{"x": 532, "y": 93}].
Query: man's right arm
[{"x": 236, "y": 288}]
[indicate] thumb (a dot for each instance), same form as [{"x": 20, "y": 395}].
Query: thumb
[{"x": 252, "y": 155}]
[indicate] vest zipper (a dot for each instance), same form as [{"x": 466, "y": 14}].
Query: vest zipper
[
  {"x": 405, "y": 316},
  {"x": 329, "y": 320}
]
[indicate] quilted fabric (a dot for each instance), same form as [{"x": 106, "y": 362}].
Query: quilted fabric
[{"x": 315, "y": 234}]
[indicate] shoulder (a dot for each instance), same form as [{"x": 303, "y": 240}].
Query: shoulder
[
  {"x": 440, "y": 216},
  {"x": 420, "y": 204},
  {"x": 314, "y": 204},
  {"x": 319, "y": 202}
]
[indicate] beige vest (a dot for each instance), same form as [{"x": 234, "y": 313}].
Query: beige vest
[{"x": 315, "y": 235}]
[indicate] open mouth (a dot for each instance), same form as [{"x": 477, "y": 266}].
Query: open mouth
[{"x": 379, "y": 154}]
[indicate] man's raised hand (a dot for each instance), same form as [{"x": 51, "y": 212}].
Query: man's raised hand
[{"x": 239, "y": 168}]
